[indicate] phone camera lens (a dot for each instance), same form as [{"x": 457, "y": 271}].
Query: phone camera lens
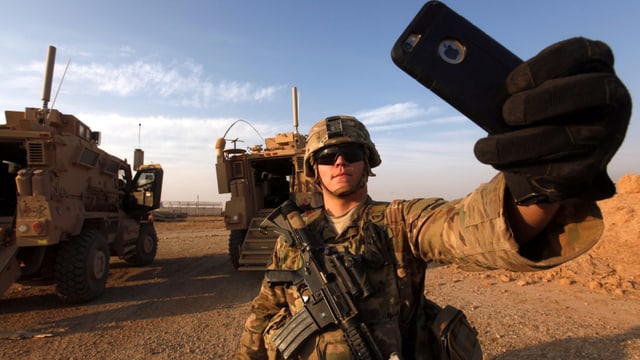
[{"x": 452, "y": 51}]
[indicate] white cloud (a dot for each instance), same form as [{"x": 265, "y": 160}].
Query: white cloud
[
  {"x": 183, "y": 146},
  {"x": 184, "y": 84},
  {"x": 391, "y": 113},
  {"x": 403, "y": 115},
  {"x": 459, "y": 119},
  {"x": 126, "y": 51}
]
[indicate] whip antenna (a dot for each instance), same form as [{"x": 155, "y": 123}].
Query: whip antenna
[{"x": 60, "y": 85}]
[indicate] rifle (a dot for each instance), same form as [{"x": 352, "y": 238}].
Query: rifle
[{"x": 329, "y": 282}]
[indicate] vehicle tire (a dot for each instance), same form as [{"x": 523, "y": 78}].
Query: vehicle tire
[
  {"x": 236, "y": 238},
  {"x": 146, "y": 246},
  {"x": 82, "y": 267}
]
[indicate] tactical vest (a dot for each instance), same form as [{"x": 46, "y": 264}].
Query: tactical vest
[
  {"x": 409, "y": 272},
  {"x": 397, "y": 313},
  {"x": 428, "y": 330}
]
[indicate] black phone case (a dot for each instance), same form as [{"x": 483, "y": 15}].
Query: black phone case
[{"x": 458, "y": 62}]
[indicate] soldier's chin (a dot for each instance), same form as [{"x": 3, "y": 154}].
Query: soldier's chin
[{"x": 344, "y": 191}]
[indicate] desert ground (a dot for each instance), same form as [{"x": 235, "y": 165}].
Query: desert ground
[{"x": 191, "y": 303}]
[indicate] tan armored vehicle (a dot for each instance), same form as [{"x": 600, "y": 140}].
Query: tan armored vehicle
[
  {"x": 66, "y": 206},
  {"x": 259, "y": 179}
]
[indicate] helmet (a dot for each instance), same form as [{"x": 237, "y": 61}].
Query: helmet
[{"x": 337, "y": 130}]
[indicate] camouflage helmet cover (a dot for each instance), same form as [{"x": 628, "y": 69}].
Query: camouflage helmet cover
[{"x": 337, "y": 130}]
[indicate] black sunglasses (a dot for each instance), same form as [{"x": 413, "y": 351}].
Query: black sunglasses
[{"x": 350, "y": 154}]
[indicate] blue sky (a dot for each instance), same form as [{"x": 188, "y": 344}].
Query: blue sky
[{"x": 186, "y": 70}]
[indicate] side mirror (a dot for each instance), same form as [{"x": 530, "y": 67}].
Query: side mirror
[
  {"x": 148, "y": 186},
  {"x": 95, "y": 137}
]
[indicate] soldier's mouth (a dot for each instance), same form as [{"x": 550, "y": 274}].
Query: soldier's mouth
[{"x": 341, "y": 175}]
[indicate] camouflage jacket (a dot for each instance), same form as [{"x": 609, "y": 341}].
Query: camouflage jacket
[{"x": 471, "y": 232}]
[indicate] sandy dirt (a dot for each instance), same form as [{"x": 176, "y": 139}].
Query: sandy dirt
[{"x": 191, "y": 303}]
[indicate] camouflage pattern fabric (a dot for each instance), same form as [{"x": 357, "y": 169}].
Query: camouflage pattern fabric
[{"x": 471, "y": 232}]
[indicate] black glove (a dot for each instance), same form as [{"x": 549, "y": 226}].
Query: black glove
[{"x": 569, "y": 113}]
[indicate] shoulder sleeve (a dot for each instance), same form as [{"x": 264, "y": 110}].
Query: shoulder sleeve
[
  {"x": 269, "y": 302},
  {"x": 473, "y": 232}
]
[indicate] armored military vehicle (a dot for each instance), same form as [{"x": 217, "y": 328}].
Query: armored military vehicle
[
  {"x": 67, "y": 206},
  {"x": 259, "y": 179}
]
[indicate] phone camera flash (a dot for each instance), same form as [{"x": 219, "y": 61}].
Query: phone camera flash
[{"x": 411, "y": 42}]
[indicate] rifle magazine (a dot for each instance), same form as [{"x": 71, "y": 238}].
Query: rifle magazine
[{"x": 295, "y": 332}]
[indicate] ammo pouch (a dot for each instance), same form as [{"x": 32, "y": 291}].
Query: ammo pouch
[{"x": 448, "y": 332}]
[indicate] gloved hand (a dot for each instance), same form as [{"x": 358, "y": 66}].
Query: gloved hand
[{"x": 569, "y": 113}]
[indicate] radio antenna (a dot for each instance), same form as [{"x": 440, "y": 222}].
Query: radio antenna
[
  {"x": 48, "y": 76},
  {"x": 294, "y": 101},
  {"x": 60, "y": 84}
]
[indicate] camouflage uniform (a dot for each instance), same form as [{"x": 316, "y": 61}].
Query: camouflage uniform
[{"x": 471, "y": 232}]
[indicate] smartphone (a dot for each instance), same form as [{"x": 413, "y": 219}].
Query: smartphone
[{"x": 458, "y": 62}]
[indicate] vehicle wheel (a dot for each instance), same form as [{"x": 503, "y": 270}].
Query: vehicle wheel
[
  {"x": 236, "y": 238},
  {"x": 82, "y": 267},
  {"x": 146, "y": 246}
]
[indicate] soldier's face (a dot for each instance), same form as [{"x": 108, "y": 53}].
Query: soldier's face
[{"x": 342, "y": 177}]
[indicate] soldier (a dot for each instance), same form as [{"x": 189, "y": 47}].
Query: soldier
[{"x": 569, "y": 112}]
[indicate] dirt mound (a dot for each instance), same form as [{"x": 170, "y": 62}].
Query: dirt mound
[
  {"x": 613, "y": 262},
  {"x": 629, "y": 184},
  {"x": 612, "y": 265}
]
